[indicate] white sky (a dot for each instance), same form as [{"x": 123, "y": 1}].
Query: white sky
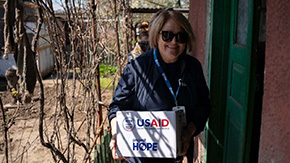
[{"x": 57, "y": 4}]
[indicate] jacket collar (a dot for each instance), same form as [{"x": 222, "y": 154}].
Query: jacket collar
[{"x": 156, "y": 72}]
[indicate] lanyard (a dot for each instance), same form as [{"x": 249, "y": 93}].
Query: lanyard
[{"x": 165, "y": 78}]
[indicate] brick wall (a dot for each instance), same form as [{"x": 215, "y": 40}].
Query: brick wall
[{"x": 275, "y": 130}]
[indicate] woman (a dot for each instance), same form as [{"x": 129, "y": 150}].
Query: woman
[
  {"x": 143, "y": 44},
  {"x": 142, "y": 86}
]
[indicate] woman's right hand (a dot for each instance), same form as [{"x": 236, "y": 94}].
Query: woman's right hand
[
  {"x": 113, "y": 147},
  {"x": 113, "y": 142}
]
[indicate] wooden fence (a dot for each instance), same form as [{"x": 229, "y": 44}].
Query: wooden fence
[
  {"x": 109, "y": 60},
  {"x": 103, "y": 153}
]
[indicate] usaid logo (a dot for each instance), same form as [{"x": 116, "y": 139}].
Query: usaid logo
[
  {"x": 147, "y": 123},
  {"x": 128, "y": 124}
]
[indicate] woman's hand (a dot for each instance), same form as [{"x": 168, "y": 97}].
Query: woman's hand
[
  {"x": 113, "y": 142},
  {"x": 187, "y": 133},
  {"x": 113, "y": 148}
]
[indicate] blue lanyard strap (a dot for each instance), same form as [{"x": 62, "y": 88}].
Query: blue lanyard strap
[{"x": 165, "y": 78}]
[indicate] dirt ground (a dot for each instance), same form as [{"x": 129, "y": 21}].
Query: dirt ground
[{"x": 24, "y": 139}]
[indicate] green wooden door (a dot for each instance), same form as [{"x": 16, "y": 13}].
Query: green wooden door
[{"x": 238, "y": 84}]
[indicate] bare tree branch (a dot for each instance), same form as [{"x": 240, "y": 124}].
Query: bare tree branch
[
  {"x": 95, "y": 141},
  {"x": 5, "y": 130}
]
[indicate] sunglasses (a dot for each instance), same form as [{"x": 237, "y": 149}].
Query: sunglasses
[
  {"x": 144, "y": 42},
  {"x": 180, "y": 37}
]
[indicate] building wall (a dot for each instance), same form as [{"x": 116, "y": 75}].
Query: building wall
[
  {"x": 275, "y": 130},
  {"x": 197, "y": 18}
]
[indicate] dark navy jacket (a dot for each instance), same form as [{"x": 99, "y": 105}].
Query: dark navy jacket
[{"x": 142, "y": 88}]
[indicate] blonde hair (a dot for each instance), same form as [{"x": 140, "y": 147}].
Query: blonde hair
[{"x": 158, "y": 21}]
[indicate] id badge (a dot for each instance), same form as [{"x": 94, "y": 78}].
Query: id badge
[{"x": 181, "y": 109}]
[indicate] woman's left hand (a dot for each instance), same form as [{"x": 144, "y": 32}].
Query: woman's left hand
[{"x": 187, "y": 133}]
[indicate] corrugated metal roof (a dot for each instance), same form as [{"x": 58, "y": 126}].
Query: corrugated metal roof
[{"x": 154, "y": 10}]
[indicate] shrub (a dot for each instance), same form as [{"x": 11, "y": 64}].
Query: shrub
[{"x": 107, "y": 70}]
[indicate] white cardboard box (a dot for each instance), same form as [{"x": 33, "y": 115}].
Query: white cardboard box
[{"x": 149, "y": 133}]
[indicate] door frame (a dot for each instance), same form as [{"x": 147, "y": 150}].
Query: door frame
[{"x": 219, "y": 57}]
